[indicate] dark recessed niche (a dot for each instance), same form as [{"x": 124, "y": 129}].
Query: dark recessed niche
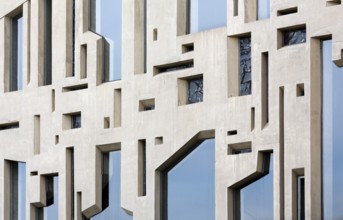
[
  {"x": 33, "y": 173},
  {"x": 287, "y": 11},
  {"x": 170, "y": 67},
  {"x": 233, "y": 132},
  {"x": 10, "y": 125},
  {"x": 158, "y": 140},
  {"x": 146, "y": 105},
  {"x": 300, "y": 89},
  {"x": 333, "y": 2},
  {"x": 75, "y": 87},
  {"x": 239, "y": 148},
  {"x": 187, "y": 47}
]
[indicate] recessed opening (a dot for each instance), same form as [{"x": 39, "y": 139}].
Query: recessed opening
[
  {"x": 239, "y": 148},
  {"x": 37, "y": 134},
  {"x": 75, "y": 87},
  {"x": 298, "y": 193},
  {"x": 158, "y": 140},
  {"x": 83, "y": 61},
  {"x": 155, "y": 34},
  {"x": 53, "y": 97},
  {"x": 235, "y": 7},
  {"x": 287, "y": 11},
  {"x": 142, "y": 168},
  {"x": 291, "y": 35},
  {"x": 33, "y": 173},
  {"x": 191, "y": 90},
  {"x": 107, "y": 122},
  {"x": 333, "y": 2},
  {"x": 187, "y": 47},
  {"x": 9, "y": 125},
  {"x": 170, "y": 67},
  {"x": 57, "y": 139},
  {"x": 233, "y": 132},
  {"x": 252, "y": 118},
  {"x": 300, "y": 89},
  {"x": 146, "y": 105},
  {"x": 117, "y": 108},
  {"x": 71, "y": 120}
]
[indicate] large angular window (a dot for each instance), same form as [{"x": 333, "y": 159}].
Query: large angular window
[
  {"x": 332, "y": 139},
  {"x": 105, "y": 19},
  {"x": 17, "y": 190},
  {"x": 255, "y": 200},
  {"x": 111, "y": 170},
  {"x": 188, "y": 186},
  {"x": 203, "y": 15},
  {"x": 16, "y": 72}
]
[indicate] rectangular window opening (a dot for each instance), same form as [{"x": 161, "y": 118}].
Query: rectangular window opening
[
  {"x": 300, "y": 89},
  {"x": 265, "y": 88},
  {"x": 117, "y": 108},
  {"x": 155, "y": 34},
  {"x": 47, "y": 80},
  {"x": 75, "y": 87},
  {"x": 106, "y": 122},
  {"x": 252, "y": 118},
  {"x": 57, "y": 139},
  {"x": 187, "y": 47},
  {"x": 71, "y": 121},
  {"x": 287, "y": 11},
  {"x": 16, "y": 53},
  {"x": 142, "y": 168},
  {"x": 53, "y": 97},
  {"x": 291, "y": 36},
  {"x": 146, "y": 105},
  {"x": 10, "y": 125},
  {"x": 33, "y": 173},
  {"x": 83, "y": 61},
  {"x": 232, "y": 132},
  {"x": 301, "y": 197},
  {"x": 170, "y": 67},
  {"x": 263, "y": 9},
  {"x": 235, "y": 8},
  {"x": 37, "y": 134},
  {"x": 16, "y": 186},
  {"x": 333, "y": 2},
  {"x": 239, "y": 148},
  {"x": 245, "y": 80},
  {"x": 158, "y": 140}
]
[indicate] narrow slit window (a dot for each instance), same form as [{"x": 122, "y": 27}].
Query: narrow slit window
[
  {"x": 265, "y": 88},
  {"x": 47, "y": 80},
  {"x": 301, "y": 197},
  {"x": 16, "y": 68},
  {"x": 17, "y": 189},
  {"x": 245, "y": 66},
  {"x": 142, "y": 168},
  {"x": 300, "y": 89}
]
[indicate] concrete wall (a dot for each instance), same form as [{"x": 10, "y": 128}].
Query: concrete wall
[{"x": 296, "y": 143}]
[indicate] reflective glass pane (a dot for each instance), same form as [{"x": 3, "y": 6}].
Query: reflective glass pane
[
  {"x": 114, "y": 210},
  {"x": 76, "y": 121},
  {"x": 21, "y": 191},
  {"x": 195, "y": 90},
  {"x": 20, "y": 53},
  {"x": 245, "y": 66},
  {"x": 206, "y": 14},
  {"x": 294, "y": 37},
  {"x": 263, "y": 9},
  {"x": 332, "y": 152},
  {"x": 191, "y": 185},
  {"x": 108, "y": 25},
  {"x": 51, "y": 212},
  {"x": 256, "y": 199}
]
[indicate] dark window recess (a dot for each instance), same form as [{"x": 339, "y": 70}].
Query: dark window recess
[
  {"x": 49, "y": 184},
  {"x": 233, "y": 132},
  {"x": 105, "y": 171},
  {"x": 146, "y": 105},
  {"x": 173, "y": 66},
  {"x": 239, "y": 148},
  {"x": 287, "y": 11},
  {"x": 33, "y": 173},
  {"x": 73, "y": 38},
  {"x": 333, "y": 2},
  {"x": 187, "y": 47},
  {"x": 300, "y": 89},
  {"x": 292, "y": 37},
  {"x": 301, "y": 197},
  {"x": 76, "y": 121},
  {"x": 10, "y": 125},
  {"x": 16, "y": 53},
  {"x": 75, "y": 87},
  {"x": 47, "y": 42},
  {"x": 92, "y": 15},
  {"x": 245, "y": 66},
  {"x": 195, "y": 90}
]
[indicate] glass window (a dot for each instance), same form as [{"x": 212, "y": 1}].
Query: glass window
[
  {"x": 255, "y": 201},
  {"x": 190, "y": 185},
  {"x": 76, "y": 121},
  {"x": 294, "y": 37},
  {"x": 47, "y": 42},
  {"x": 245, "y": 66},
  {"x": 301, "y": 197},
  {"x": 195, "y": 90},
  {"x": 332, "y": 138},
  {"x": 113, "y": 210},
  {"x": 16, "y": 53},
  {"x": 17, "y": 190},
  {"x": 204, "y": 15},
  {"x": 105, "y": 19},
  {"x": 263, "y": 11}
]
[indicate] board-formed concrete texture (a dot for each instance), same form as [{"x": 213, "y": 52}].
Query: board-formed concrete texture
[{"x": 287, "y": 122}]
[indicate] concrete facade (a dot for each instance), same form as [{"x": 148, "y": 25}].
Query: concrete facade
[{"x": 111, "y": 116}]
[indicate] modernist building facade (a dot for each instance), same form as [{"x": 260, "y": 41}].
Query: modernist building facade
[{"x": 171, "y": 110}]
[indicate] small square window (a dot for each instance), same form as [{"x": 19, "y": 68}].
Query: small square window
[
  {"x": 76, "y": 121},
  {"x": 195, "y": 90}
]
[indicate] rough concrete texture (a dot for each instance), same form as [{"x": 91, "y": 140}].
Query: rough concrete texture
[{"x": 296, "y": 143}]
